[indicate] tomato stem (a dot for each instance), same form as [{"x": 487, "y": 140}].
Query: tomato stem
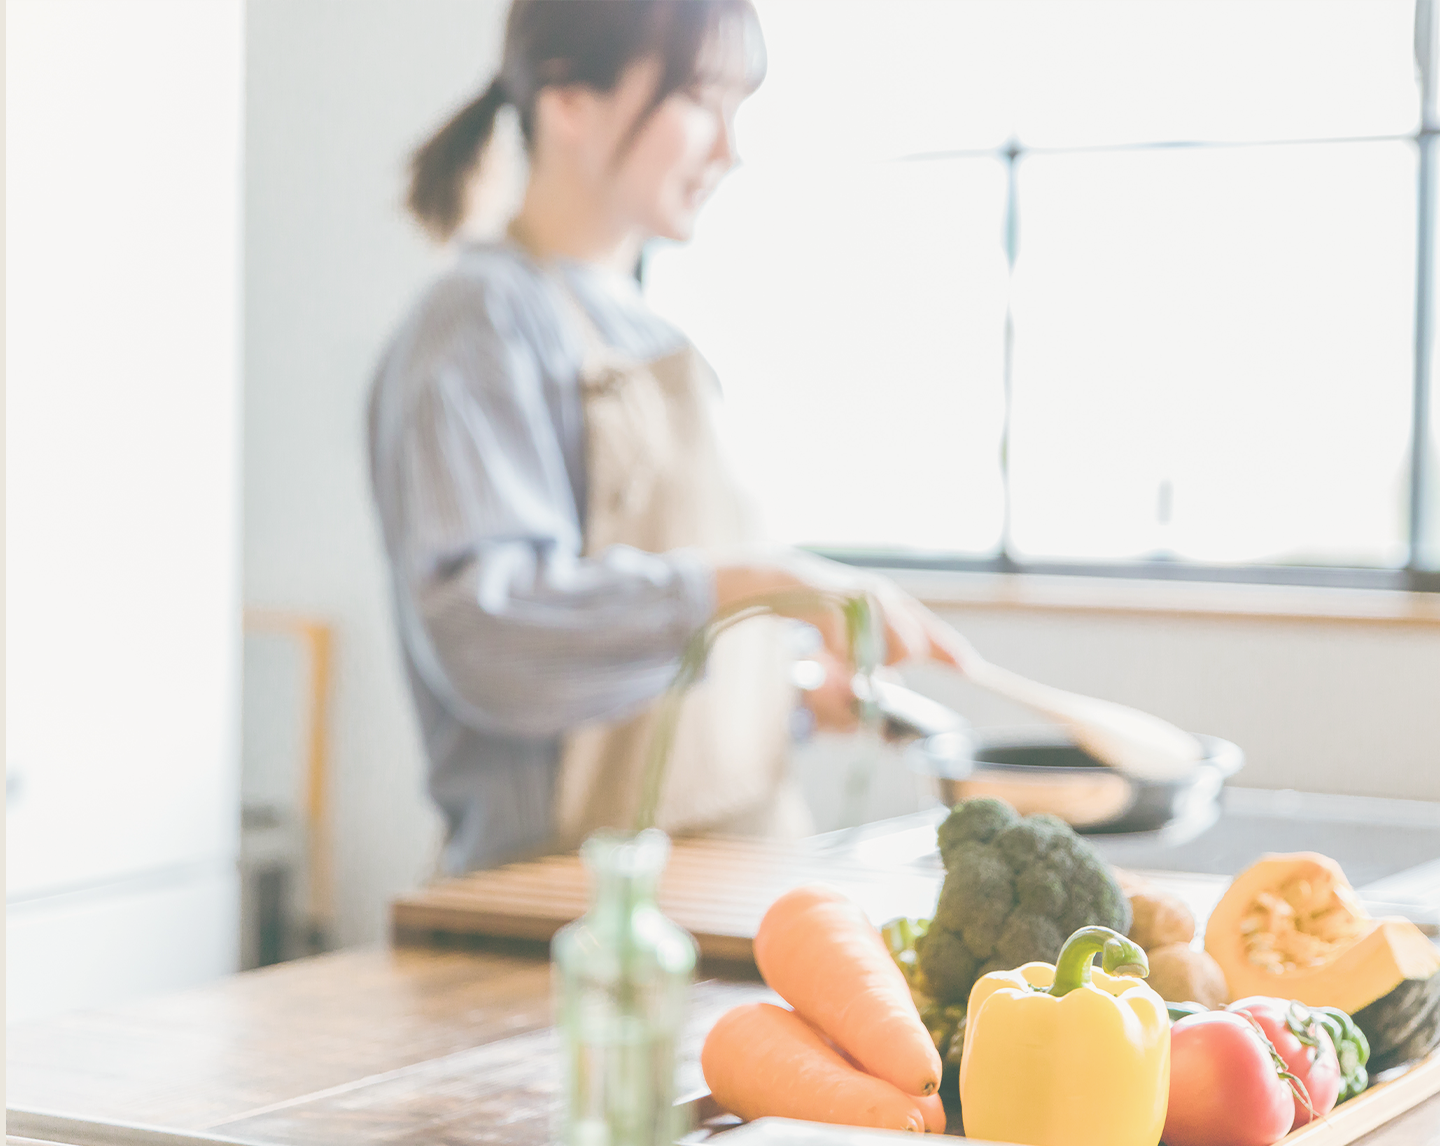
[
  {"x": 1282, "y": 1068},
  {"x": 1301, "y": 1022}
]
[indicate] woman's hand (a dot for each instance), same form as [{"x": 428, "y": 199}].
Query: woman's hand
[
  {"x": 830, "y": 697},
  {"x": 912, "y": 632}
]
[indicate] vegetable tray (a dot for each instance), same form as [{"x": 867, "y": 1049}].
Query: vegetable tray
[
  {"x": 718, "y": 889},
  {"x": 1347, "y": 1123}
]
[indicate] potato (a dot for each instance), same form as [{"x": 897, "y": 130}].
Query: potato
[
  {"x": 1160, "y": 919},
  {"x": 1181, "y": 974}
]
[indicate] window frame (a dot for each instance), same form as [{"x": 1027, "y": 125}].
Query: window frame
[{"x": 1412, "y": 576}]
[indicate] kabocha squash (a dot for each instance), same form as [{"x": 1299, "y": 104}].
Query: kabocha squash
[
  {"x": 1291, "y": 926},
  {"x": 1403, "y": 1025}
]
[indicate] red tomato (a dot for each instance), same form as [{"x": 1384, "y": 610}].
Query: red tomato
[
  {"x": 1306, "y": 1048},
  {"x": 1225, "y": 1086}
]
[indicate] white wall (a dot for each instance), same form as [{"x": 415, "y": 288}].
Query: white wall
[
  {"x": 338, "y": 93},
  {"x": 123, "y": 153}
]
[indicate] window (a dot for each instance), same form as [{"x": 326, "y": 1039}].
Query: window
[{"x": 1111, "y": 287}]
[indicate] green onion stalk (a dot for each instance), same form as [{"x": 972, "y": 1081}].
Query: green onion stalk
[{"x": 863, "y": 633}]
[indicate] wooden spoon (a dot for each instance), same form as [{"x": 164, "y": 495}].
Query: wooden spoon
[{"x": 1126, "y": 739}]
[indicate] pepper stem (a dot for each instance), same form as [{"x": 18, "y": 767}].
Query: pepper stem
[{"x": 1118, "y": 956}]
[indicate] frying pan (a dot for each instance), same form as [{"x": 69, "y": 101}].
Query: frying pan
[{"x": 1046, "y": 771}]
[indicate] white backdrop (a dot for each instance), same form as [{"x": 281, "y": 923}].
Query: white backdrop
[{"x": 123, "y": 154}]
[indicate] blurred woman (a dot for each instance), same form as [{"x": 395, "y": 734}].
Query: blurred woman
[{"x": 557, "y": 509}]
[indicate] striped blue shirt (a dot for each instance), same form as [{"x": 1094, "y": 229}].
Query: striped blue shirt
[{"x": 510, "y": 636}]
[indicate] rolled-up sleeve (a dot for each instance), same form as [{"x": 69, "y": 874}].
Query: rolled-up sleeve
[{"x": 513, "y": 629}]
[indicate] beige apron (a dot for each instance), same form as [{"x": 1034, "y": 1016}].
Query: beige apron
[{"x": 659, "y": 480}]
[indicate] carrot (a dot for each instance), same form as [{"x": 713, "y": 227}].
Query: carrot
[
  {"x": 763, "y": 1061},
  {"x": 819, "y": 953},
  {"x": 934, "y": 1112}
]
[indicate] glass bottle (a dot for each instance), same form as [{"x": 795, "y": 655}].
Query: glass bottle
[{"x": 622, "y": 975}]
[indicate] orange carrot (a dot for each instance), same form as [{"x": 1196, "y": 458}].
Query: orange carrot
[
  {"x": 763, "y": 1061},
  {"x": 819, "y": 953},
  {"x": 934, "y": 1111}
]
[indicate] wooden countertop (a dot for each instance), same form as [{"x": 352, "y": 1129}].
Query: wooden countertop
[
  {"x": 411, "y": 1045},
  {"x": 401, "y": 1046}
]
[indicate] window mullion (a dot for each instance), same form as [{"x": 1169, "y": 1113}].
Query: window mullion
[
  {"x": 1420, "y": 545},
  {"x": 1011, "y": 155}
]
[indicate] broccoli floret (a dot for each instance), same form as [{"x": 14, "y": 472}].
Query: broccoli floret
[
  {"x": 1096, "y": 897},
  {"x": 1031, "y": 838},
  {"x": 1015, "y": 889},
  {"x": 1024, "y": 935},
  {"x": 978, "y": 820},
  {"x": 977, "y": 906},
  {"x": 1040, "y": 890},
  {"x": 947, "y": 954}
]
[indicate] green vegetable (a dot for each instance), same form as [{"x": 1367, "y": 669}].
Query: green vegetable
[
  {"x": 947, "y": 1027},
  {"x": 1351, "y": 1048},
  {"x": 944, "y": 1021},
  {"x": 1180, "y": 1011},
  {"x": 1015, "y": 888},
  {"x": 900, "y": 936}
]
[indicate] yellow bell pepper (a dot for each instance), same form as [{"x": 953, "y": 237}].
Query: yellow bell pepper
[{"x": 1067, "y": 1056}]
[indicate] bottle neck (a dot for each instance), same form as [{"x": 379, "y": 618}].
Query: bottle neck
[
  {"x": 624, "y": 871},
  {"x": 618, "y": 895}
]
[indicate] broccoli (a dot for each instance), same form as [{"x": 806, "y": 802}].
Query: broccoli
[
  {"x": 953, "y": 967},
  {"x": 1015, "y": 889}
]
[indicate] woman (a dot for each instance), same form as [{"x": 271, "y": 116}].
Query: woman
[{"x": 557, "y": 512}]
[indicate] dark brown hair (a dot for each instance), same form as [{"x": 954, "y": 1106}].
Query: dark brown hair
[{"x": 551, "y": 43}]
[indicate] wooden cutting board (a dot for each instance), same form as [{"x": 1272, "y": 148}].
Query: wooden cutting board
[{"x": 716, "y": 888}]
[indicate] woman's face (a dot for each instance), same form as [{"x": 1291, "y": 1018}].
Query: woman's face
[
  {"x": 679, "y": 157},
  {"x": 656, "y": 179}
]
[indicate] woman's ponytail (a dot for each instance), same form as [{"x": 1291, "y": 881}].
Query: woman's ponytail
[
  {"x": 440, "y": 168},
  {"x": 571, "y": 42}
]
